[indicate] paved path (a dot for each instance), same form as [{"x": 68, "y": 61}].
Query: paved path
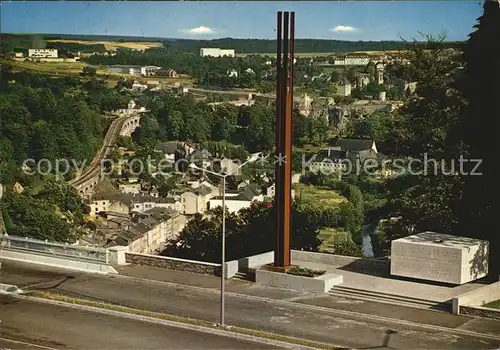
[
  {"x": 274, "y": 313},
  {"x": 32, "y": 325}
]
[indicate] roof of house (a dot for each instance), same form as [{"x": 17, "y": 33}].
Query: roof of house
[
  {"x": 332, "y": 154},
  {"x": 344, "y": 81},
  {"x": 248, "y": 194},
  {"x": 202, "y": 154},
  {"x": 202, "y": 190},
  {"x": 253, "y": 189},
  {"x": 367, "y": 154},
  {"x": 116, "y": 214},
  {"x": 90, "y": 240},
  {"x": 354, "y": 145},
  {"x": 129, "y": 199},
  {"x": 160, "y": 213},
  {"x": 167, "y": 147}
]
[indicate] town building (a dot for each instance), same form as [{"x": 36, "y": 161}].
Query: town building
[
  {"x": 134, "y": 70},
  {"x": 352, "y": 60},
  {"x": 127, "y": 203},
  {"x": 236, "y": 201},
  {"x": 202, "y": 158},
  {"x": 16, "y": 54},
  {"x": 130, "y": 188},
  {"x": 271, "y": 191},
  {"x": 145, "y": 233},
  {"x": 17, "y": 188},
  {"x": 131, "y": 109},
  {"x": 230, "y": 166},
  {"x": 138, "y": 86},
  {"x": 195, "y": 200},
  {"x": 363, "y": 80},
  {"x": 333, "y": 159},
  {"x": 344, "y": 88},
  {"x": 216, "y": 52},
  {"x": 147, "y": 71},
  {"x": 170, "y": 73},
  {"x": 42, "y": 53},
  {"x": 354, "y": 145},
  {"x": 232, "y": 73},
  {"x": 328, "y": 162}
]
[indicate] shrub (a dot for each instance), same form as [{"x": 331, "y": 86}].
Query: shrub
[{"x": 302, "y": 271}]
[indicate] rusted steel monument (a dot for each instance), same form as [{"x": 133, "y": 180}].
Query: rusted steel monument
[{"x": 284, "y": 105}]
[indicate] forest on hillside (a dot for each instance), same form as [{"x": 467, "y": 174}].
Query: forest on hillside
[{"x": 12, "y": 42}]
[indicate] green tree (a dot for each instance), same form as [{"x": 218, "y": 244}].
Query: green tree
[
  {"x": 477, "y": 209},
  {"x": 249, "y": 232},
  {"x": 356, "y": 220},
  {"x": 347, "y": 248},
  {"x": 336, "y": 76},
  {"x": 89, "y": 71}
]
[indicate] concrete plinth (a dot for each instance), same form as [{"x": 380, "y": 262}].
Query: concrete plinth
[
  {"x": 319, "y": 284},
  {"x": 439, "y": 257}
]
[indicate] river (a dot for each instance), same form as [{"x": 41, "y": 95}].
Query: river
[{"x": 366, "y": 245}]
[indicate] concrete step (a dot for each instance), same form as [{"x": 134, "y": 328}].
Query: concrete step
[
  {"x": 244, "y": 276},
  {"x": 387, "y": 298},
  {"x": 364, "y": 291}
]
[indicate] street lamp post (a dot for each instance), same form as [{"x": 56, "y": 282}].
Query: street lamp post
[
  {"x": 223, "y": 253},
  {"x": 251, "y": 159}
]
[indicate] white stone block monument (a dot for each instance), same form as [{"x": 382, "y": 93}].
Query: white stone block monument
[{"x": 439, "y": 257}]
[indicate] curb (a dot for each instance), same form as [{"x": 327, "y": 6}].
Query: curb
[
  {"x": 370, "y": 317},
  {"x": 218, "y": 332},
  {"x": 9, "y": 289}
]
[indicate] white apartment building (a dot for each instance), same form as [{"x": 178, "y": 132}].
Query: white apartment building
[
  {"x": 149, "y": 70},
  {"x": 133, "y": 70},
  {"x": 216, "y": 52},
  {"x": 353, "y": 60},
  {"x": 42, "y": 53}
]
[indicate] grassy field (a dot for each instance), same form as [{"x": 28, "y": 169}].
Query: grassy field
[
  {"x": 181, "y": 79},
  {"x": 75, "y": 68},
  {"x": 54, "y": 68},
  {"x": 331, "y": 236},
  {"x": 494, "y": 304},
  {"x": 318, "y": 196},
  {"x": 111, "y": 45}
]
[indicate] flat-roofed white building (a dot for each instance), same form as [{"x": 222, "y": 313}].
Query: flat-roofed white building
[
  {"x": 133, "y": 70},
  {"x": 352, "y": 60},
  {"x": 43, "y": 53},
  {"x": 216, "y": 52},
  {"x": 149, "y": 70}
]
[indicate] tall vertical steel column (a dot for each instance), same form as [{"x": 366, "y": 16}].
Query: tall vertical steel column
[{"x": 284, "y": 106}]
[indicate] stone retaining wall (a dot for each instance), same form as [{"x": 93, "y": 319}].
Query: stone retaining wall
[
  {"x": 255, "y": 261},
  {"x": 480, "y": 312},
  {"x": 475, "y": 299},
  {"x": 58, "y": 261},
  {"x": 164, "y": 262},
  {"x": 362, "y": 265}
]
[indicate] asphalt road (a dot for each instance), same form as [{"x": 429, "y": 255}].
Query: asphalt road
[
  {"x": 49, "y": 326},
  {"x": 299, "y": 320}
]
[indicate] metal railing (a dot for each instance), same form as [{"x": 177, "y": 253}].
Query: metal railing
[{"x": 55, "y": 249}]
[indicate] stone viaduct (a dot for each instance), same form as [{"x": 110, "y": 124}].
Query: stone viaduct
[{"x": 86, "y": 182}]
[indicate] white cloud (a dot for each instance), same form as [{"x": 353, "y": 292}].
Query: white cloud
[
  {"x": 201, "y": 30},
  {"x": 344, "y": 29}
]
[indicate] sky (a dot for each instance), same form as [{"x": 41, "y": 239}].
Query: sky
[{"x": 340, "y": 20}]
